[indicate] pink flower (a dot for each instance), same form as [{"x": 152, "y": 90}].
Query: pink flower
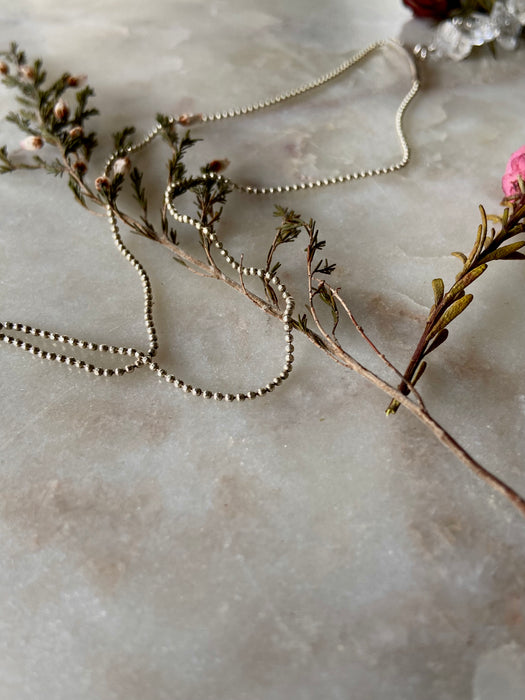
[
  {"x": 32, "y": 143},
  {"x": 515, "y": 169}
]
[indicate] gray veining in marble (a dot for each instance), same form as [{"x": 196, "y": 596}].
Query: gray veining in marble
[{"x": 157, "y": 547}]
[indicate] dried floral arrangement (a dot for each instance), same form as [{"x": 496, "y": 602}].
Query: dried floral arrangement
[{"x": 53, "y": 117}]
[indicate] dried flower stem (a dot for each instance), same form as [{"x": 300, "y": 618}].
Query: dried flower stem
[
  {"x": 64, "y": 131},
  {"x": 419, "y": 410},
  {"x": 447, "y": 306}
]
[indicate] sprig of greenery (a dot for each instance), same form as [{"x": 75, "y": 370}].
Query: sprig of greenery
[
  {"x": 46, "y": 115},
  {"x": 292, "y": 224},
  {"x": 123, "y": 138},
  {"x": 488, "y": 246}
]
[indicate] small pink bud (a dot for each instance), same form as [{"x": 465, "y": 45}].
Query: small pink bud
[
  {"x": 76, "y": 80},
  {"x": 217, "y": 166},
  {"x": 122, "y": 166},
  {"x": 189, "y": 119},
  {"x": 26, "y": 72},
  {"x": 102, "y": 184},
  {"x": 4, "y": 68},
  {"x": 75, "y": 132},
  {"x": 61, "y": 110},
  {"x": 32, "y": 143}
]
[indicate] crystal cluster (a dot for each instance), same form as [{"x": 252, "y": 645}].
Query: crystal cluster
[{"x": 455, "y": 38}]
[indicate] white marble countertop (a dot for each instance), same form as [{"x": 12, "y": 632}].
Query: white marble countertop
[{"x": 157, "y": 546}]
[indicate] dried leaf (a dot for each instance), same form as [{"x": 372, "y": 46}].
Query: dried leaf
[
  {"x": 450, "y": 314},
  {"x": 392, "y": 407},
  {"x": 419, "y": 373},
  {"x": 461, "y": 256},
  {"x": 466, "y": 280},
  {"x": 438, "y": 340},
  {"x": 502, "y": 253},
  {"x": 439, "y": 289},
  {"x": 480, "y": 239}
]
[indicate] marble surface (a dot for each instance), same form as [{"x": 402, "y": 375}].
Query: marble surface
[{"x": 155, "y": 546}]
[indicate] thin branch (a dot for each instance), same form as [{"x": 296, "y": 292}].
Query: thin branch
[{"x": 378, "y": 352}]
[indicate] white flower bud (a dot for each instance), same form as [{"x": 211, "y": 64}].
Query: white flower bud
[
  {"x": 75, "y": 132},
  {"x": 122, "y": 166},
  {"x": 32, "y": 143},
  {"x": 61, "y": 110},
  {"x": 26, "y": 72}
]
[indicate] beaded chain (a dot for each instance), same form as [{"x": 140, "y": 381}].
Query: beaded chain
[
  {"x": 147, "y": 359},
  {"x": 140, "y": 358},
  {"x": 196, "y": 119}
]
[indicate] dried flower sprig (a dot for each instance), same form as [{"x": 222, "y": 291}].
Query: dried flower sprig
[
  {"x": 46, "y": 118},
  {"x": 449, "y": 305},
  {"x": 68, "y": 148}
]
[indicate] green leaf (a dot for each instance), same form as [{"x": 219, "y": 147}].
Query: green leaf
[
  {"x": 450, "y": 314},
  {"x": 139, "y": 192},
  {"x": 23, "y": 124},
  {"x": 439, "y": 289},
  {"x": 75, "y": 188},
  {"x": 300, "y": 323},
  {"x": 122, "y": 138},
  {"x": 329, "y": 299},
  {"x": 81, "y": 112}
]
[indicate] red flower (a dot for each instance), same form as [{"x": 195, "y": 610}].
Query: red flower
[{"x": 435, "y": 9}]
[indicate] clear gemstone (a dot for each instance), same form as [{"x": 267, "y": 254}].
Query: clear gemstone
[
  {"x": 479, "y": 29},
  {"x": 449, "y": 40},
  {"x": 507, "y": 26},
  {"x": 517, "y": 8}
]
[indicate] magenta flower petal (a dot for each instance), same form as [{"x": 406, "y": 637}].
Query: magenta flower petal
[{"x": 515, "y": 168}]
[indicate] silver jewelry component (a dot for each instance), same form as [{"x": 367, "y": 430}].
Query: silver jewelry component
[{"x": 234, "y": 113}]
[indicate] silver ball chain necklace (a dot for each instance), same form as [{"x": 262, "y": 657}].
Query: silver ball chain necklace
[{"x": 147, "y": 359}]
